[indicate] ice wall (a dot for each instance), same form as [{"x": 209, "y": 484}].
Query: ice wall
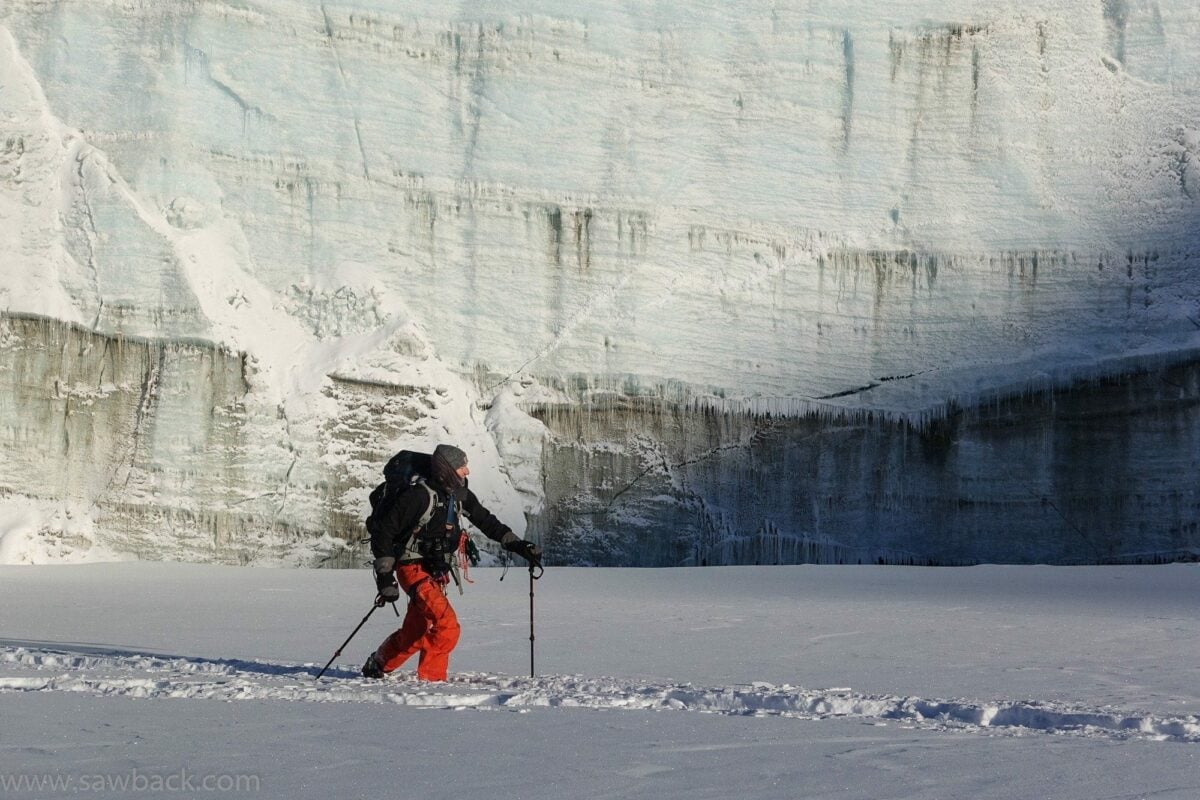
[
  {"x": 422, "y": 221},
  {"x": 1102, "y": 472},
  {"x": 162, "y": 449}
]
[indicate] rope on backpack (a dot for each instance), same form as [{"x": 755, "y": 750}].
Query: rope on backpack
[{"x": 467, "y": 555}]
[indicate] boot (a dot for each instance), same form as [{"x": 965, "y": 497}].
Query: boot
[{"x": 372, "y": 668}]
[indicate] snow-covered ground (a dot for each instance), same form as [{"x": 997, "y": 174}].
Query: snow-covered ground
[{"x": 783, "y": 682}]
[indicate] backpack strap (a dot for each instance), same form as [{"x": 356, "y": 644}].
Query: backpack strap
[
  {"x": 428, "y": 515},
  {"x": 410, "y": 549}
]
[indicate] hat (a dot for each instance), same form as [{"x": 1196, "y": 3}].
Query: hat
[{"x": 454, "y": 457}]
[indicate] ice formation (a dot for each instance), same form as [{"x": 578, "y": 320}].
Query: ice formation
[{"x": 692, "y": 284}]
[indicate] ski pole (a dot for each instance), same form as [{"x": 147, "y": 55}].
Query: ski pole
[
  {"x": 378, "y": 604},
  {"x": 532, "y": 578}
]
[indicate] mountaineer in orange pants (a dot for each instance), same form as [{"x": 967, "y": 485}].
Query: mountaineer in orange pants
[
  {"x": 416, "y": 537},
  {"x": 430, "y": 627}
]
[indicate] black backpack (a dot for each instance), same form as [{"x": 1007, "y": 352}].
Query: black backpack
[{"x": 405, "y": 470}]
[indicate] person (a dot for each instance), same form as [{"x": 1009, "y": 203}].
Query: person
[{"x": 415, "y": 544}]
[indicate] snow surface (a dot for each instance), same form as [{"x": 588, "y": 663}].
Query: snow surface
[{"x": 869, "y": 682}]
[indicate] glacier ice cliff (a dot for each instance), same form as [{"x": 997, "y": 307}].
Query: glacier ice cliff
[{"x": 776, "y": 283}]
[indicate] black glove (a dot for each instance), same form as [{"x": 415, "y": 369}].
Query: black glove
[
  {"x": 385, "y": 580},
  {"x": 526, "y": 550}
]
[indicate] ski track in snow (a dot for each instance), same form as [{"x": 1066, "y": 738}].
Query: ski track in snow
[{"x": 113, "y": 672}]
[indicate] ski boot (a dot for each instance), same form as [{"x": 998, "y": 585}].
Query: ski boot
[{"x": 372, "y": 668}]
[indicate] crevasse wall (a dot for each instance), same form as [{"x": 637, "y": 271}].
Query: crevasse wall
[
  {"x": 693, "y": 284},
  {"x": 1101, "y": 472}
]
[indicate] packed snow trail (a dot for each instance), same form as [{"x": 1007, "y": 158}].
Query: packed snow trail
[{"x": 113, "y": 672}]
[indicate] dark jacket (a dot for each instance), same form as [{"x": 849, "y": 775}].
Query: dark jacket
[{"x": 391, "y": 536}]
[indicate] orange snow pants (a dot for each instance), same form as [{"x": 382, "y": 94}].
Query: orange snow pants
[{"x": 430, "y": 627}]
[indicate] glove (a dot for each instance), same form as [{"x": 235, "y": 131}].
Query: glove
[
  {"x": 385, "y": 580},
  {"x": 526, "y": 550}
]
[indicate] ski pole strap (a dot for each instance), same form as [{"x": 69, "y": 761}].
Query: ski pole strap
[{"x": 539, "y": 573}]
